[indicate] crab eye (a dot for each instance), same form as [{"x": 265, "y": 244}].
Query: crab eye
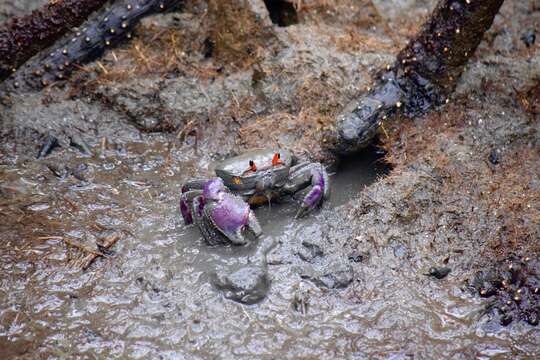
[{"x": 252, "y": 165}]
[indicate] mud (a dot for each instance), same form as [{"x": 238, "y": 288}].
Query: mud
[{"x": 347, "y": 282}]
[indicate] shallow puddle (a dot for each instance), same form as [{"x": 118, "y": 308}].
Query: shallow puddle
[{"x": 153, "y": 297}]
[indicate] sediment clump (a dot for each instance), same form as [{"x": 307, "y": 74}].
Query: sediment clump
[{"x": 513, "y": 287}]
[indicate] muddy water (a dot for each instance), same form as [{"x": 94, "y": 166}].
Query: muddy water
[{"x": 153, "y": 298}]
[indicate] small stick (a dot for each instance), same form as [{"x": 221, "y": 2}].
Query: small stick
[
  {"x": 71, "y": 203},
  {"x": 83, "y": 247},
  {"x": 50, "y": 238},
  {"x": 107, "y": 243}
]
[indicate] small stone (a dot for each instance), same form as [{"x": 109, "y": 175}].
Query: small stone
[
  {"x": 247, "y": 285},
  {"x": 532, "y": 319},
  {"x": 439, "y": 272},
  {"x": 505, "y": 320},
  {"x": 494, "y": 157},
  {"x": 310, "y": 250},
  {"x": 336, "y": 275},
  {"x": 529, "y": 38}
]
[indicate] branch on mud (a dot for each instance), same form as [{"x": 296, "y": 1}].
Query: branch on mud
[
  {"x": 88, "y": 43},
  {"x": 108, "y": 242},
  {"x": 424, "y": 74},
  {"x": 23, "y": 37}
]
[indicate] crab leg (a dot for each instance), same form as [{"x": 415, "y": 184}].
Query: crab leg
[
  {"x": 253, "y": 224},
  {"x": 185, "y": 208},
  {"x": 309, "y": 174},
  {"x": 190, "y": 191}
]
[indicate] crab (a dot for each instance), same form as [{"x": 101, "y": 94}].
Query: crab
[{"x": 221, "y": 206}]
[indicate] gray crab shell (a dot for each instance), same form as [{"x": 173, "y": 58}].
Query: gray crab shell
[{"x": 232, "y": 170}]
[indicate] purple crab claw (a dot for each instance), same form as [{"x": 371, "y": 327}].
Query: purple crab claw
[
  {"x": 221, "y": 216},
  {"x": 233, "y": 217},
  {"x": 319, "y": 190}
]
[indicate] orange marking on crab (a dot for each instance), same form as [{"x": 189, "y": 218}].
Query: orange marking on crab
[
  {"x": 276, "y": 160},
  {"x": 258, "y": 200}
]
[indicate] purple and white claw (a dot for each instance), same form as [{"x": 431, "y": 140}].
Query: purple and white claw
[{"x": 318, "y": 192}]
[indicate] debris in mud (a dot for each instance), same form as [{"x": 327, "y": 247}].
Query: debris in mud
[
  {"x": 63, "y": 171},
  {"x": 104, "y": 246},
  {"x": 248, "y": 285},
  {"x": 494, "y": 156},
  {"x": 530, "y": 99},
  {"x": 439, "y": 272},
  {"x": 529, "y": 38},
  {"x": 334, "y": 275},
  {"x": 358, "y": 256},
  {"x": 300, "y": 301},
  {"x": 50, "y": 143},
  {"x": 513, "y": 288},
  {"x": 78, "y": 143},
  {"x": 310, "y": 250}
]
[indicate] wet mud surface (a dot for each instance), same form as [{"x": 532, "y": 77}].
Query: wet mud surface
[{"x": 347, "y": 282}]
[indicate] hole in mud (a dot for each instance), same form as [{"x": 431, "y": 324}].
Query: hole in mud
[
  {"x": 355, "y": 172},
  {"x": 282, "y": 13},
  {"x": 347, "y": 180},
  {"x": 208, "y": 47}
]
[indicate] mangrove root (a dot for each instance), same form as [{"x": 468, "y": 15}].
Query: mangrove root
[
  {"x": 88, "y": 43},
  {"x": 23, "y": 37},
  {"x": 423, "y": 76}
]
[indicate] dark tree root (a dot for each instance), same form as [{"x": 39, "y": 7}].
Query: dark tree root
[
  {"x": 424, "y": 74},
  {"x": 23, "y": 37},
  {"x": 87, "y": 43}
]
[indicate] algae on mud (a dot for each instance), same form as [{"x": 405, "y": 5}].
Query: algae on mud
[{"x": 443, "y": 204}]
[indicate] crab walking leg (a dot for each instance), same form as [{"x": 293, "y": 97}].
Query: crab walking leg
[
  {"x": 186, "y": 199},
  {"x": 253, "y": 224},
  {"x": 309, "y": 174},
  {"x": 424, "y": 74},
  {"x": 190, "y": 190}
]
